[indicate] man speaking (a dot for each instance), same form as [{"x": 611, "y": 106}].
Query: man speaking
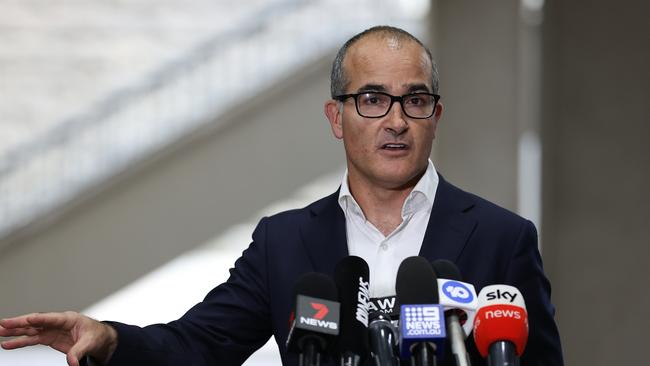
[{"x": 392, "y": 204}]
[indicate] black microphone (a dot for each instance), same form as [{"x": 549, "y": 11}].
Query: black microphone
[
  {"x": 315, "y": 318},
  {"x": 352, "y": 278},
  {"x": 448, "y": 270},
  {"x": 383, "y": 340},
  {"x": 422, "y": 326}
]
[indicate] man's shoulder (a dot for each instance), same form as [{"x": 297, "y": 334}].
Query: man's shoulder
[
  {"x": 299, "y": 214},
  {"x": 479, "y": 207}
]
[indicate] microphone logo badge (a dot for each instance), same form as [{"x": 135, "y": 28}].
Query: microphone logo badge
[
  {"x": 457, "y": 291},
  {"x": 421, "y": 321},
  {"x": 317, "y": 315},
  {"x": 321, "y": 310},
  {"x": 363, "y": 299},
  {"x": 386, "y": 305},
  {"x": 499, "y": 294}
]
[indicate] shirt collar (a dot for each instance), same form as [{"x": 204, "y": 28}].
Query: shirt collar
[{"x": 420, "y": 198}]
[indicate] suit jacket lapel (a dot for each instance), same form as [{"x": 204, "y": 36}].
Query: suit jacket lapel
[
  {"x": 449, "y": 226},
  {"x": 324, "y": 235}
]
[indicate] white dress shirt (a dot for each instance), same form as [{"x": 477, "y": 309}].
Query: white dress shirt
[{"x": 385, "y": 253}]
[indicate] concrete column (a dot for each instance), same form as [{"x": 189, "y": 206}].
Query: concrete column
[
  {"x": 596, "y": 127},
  {"x": 475, "y": 44}
]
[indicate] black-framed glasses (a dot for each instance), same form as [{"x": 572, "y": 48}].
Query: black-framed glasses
[{"x": 377, "y": 104}]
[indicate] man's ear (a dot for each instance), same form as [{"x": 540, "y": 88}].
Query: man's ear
[{"x": 334, "y": 116}]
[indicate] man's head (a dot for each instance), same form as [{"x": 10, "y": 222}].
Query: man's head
[
  {"x": 339, "y": 78},
  {"x": 390, "y": 151}
]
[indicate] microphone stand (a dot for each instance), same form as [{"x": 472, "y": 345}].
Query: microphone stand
[
  {"x": 382, "y": 341},
  {"x": 457, "y": 337},
  {"x": 350, "y": 359},
  {"x": 424, "y": 354},
  {"x": 310, "y": 355}
]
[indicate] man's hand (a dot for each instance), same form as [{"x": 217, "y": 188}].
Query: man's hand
[{"x": 72, "y": 333}]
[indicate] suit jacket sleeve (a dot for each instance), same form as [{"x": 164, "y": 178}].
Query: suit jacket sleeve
[
  {"x": 224, "y": 329},
  {"x": 525, "y": 272}
]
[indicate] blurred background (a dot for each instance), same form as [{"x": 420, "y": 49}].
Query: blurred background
[{"x": 141, "y": 141}]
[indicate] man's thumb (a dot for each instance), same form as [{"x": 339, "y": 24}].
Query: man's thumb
[{"x": 76, "y": 353}]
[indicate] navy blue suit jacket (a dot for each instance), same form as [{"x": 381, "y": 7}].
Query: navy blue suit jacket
[{"x": 489, "y": 244}]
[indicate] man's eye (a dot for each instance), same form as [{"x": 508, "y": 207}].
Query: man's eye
[
  {"x": 370, "y": 99},
  {"x": 415, "y": 100}
]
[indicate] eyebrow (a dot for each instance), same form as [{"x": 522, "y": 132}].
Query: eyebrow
[
  {"x": 418, "y": 88},
  {"x": 371, "y": 87},
  {"x": 412, "y": 88}
]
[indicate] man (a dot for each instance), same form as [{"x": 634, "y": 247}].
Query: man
[{"x": 392, "y": 204}]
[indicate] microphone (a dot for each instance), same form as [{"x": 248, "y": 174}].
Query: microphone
[
  {"x": 459, "y": 301},
  {"x": 501, "y": 325},
  {"x": 314, "y": 320},
  {"x": 422, "y": 330},
  {"x": 383, "y": 340},
  {"x": 352, "y": 279}
]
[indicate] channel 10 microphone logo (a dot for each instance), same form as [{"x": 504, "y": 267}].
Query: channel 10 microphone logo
[
  {"x": 457, "y": 291},
  {"x": 422, "y": 321}
]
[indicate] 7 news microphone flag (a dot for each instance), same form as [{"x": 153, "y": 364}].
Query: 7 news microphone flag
[{"x": 314, "y": 321}]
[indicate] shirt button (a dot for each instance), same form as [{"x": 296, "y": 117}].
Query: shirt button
[{"x": 384, "y": 247}]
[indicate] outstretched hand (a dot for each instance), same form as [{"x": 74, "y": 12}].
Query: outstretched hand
[{"x": 72, "y": 333}]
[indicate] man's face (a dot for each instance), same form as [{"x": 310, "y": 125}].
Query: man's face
[{"x": 390, "y": 152}]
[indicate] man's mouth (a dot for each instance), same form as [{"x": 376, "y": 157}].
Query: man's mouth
[{"x": 394, "y": 146}]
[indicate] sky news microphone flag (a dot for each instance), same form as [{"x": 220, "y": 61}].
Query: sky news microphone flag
[{"x": 501, "y": 324}]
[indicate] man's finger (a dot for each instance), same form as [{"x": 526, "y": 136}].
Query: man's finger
[
  {"x": 17, "y": 322},
  {"x": 21, "y": 342},
  {"x": 72, "y": 360},
  {"x": 40, "y": 320},
  {"x": 50, "y": 320},
  {"x": 16, "y": 332},
  {"x": 77, "y": 352}
]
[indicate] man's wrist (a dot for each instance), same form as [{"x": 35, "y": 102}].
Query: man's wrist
[{"x": 110, "y": 344}]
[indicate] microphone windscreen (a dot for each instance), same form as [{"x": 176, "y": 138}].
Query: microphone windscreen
[
  {"x": 315, "y": 316},
  {"x": 416, "y": 282},
  {"x": 352, "y": 279},
  {"x": 422, "y": 319},
  {"x": 315, "y": 284},
  {"x": 501, "y": 316},
  {"x": 456, "y": 296},
  {"x": 446, "y": 269}
]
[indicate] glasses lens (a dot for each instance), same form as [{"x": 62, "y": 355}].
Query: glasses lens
[
  {"x": 373, "y": 104},
  {"x": 419, "y": 105}
]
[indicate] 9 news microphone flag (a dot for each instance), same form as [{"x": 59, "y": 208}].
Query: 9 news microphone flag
[{"x": 421, "y": 320}]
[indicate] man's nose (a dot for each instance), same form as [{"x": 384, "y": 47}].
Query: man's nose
[{"x": 396, "y": 121}]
